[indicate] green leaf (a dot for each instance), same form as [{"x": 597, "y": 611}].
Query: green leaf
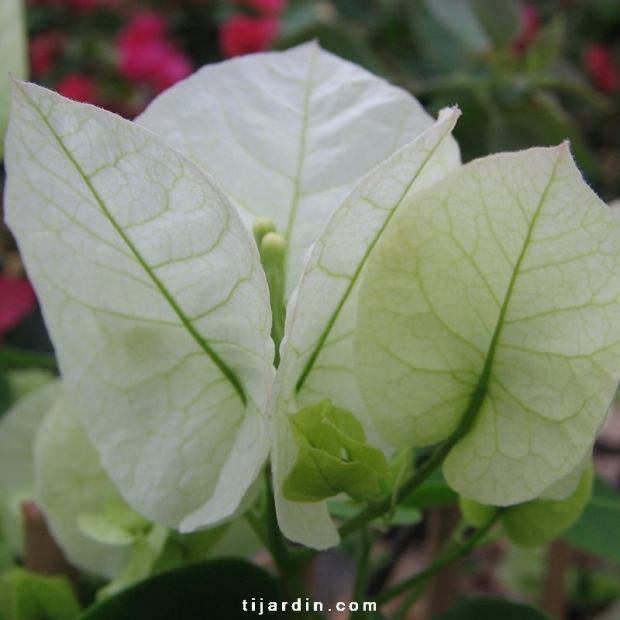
[
  {"x": 474, "y": 513},
  {"x": 491, "y": 305},
  {"x": 546, "y": 50},
  {"x": 287, "y": 135},
  {"x": 26, "y": 596},
  {"x": 600, "y": 517},
  {"x": 442, "y": 52},
  {"x": 163, "y": 333},
  {"x": 209, "y": 591},
  {"x": 461, "y": 20},
  {"x": 538, "y": 522},
  {"x": 18, "y": 429},
  {"x": 500, "y": 18},
  {"x": 145, "y": 551},
  {"x": 13, "y": 54},
  {"x": 492, "y": 609},
  {"x": 317, "y": 352},
  {"x": 116, "y": 525},
  {"x": 434, "y": 492},
  {"x": 333, "y": 457}
]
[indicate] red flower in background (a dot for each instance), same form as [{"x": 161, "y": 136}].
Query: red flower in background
[
  {"x": 530, "y": 25},
  {"x": 599, "y": 66},
  {"x": 245, "y": 35},
  {"x": 44, "y": 51},
  {"x": 144, "y": 55},
  {"x": 79, "y": 88},
  {"x": 17, "y": 299}
]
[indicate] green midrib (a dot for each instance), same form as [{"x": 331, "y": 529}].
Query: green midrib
[
  {"x": 469, "y": 416},
  {"x": 332, "y": 320},
  {"x": 217, "y": 360}
]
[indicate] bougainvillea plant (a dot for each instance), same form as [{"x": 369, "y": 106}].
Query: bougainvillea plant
[{"x": 283, "y": 265}]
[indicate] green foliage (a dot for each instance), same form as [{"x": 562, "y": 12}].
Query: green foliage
[
  {"x": 26, "y": 596},
  {"x": 601, "y": 518},
  {"x": 333, "y": 457},
  {"x": 540, "y": 521}
]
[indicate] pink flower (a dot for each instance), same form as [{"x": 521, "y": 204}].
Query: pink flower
[
  {"x": 265, "y": 6},
  {"x": 145, "y": 56},
  {"x": 44, "y": 50},
  {"x": 245, "y": 35},
  {"x": 599, "y": 66},
  {"x": 530, "y": 25},
  {"x": 78, "y": 87},
  {"x": 17, "y": 300},
  {"x": 143, "y": 28}
]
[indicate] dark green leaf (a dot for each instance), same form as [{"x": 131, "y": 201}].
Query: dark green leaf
[
  {"x": 500, "y": 19},
  {"x": 434, "y": 492},
  {"x": 441, "y": 51},
  {"x": 595, "y": 531},
  {"x": 209, "y": 591},
  {"x": 493, "y": 609},
  {"x": 459, "y": 18}
]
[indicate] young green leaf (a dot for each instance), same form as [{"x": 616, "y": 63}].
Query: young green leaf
[
  {"x": 333, "y": 457},
  {"x": 28, "y": 596},
  {"x": 540, "y": 521},
  {"x": 287, "y": 135},
  {"x": 317, "y": 351},
  {"x": 155, "y": 300},
  {"x": 491, "y": 308}
]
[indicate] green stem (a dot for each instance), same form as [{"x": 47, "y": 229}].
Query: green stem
[
  {"x": 447, "y": 557},
  {"x": 362, "y": 566},
  {"x": 379, "y": 508},
  {"x": 376, "y": 509},
  {"x": 22, "y": 357},
  {"x": 288, "y": 568},
  {"x": 257, "y": 527}
]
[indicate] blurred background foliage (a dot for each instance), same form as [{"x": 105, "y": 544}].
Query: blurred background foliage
[{"x": 524, "y": 73}]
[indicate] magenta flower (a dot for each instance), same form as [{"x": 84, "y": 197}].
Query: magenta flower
[
  {"x": 145, "y": 56},
  {"x": 17, "y": 299},
  {"x": 242, "y": 35},
  {"x": 599, "y": 66},
  {"x": 79, "y": 88},
  {"x": 44, "y": 50}
]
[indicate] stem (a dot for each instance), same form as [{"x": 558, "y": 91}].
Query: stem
[
  {"x": 558, "y": 561},
  {"x": 22, "y": 357},
  {"x": 288, "y": 568},
  {"x": 445, "y": 558},
  {"x": 257, "y": 527},
  {"x": 376, "y": 509},
  {"x": 441, "y": 592},
  {"x": 361, "y": 572}
]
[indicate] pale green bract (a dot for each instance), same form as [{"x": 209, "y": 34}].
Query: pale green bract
[
  {"x": 70, "y": 486},
  {"x": 12, "y": 56},
  {"x": 18, "y": 428},
  {"x": 151, "y": 283},
  {"x": 491, "y": 309}
]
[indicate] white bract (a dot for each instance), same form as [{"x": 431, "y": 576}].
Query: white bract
[{"x": 138, "y": 244}]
